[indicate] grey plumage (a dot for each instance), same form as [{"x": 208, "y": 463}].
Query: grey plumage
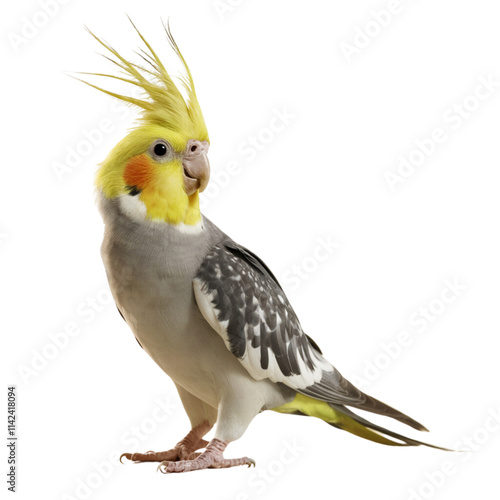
[
  {"x": 256, "y": 314},
  {"x": 235, "y": 345},
  {"x": 208, "y": 311},
  {"x": 255, "y": 307},
  {"x": 150, "y": 269}
]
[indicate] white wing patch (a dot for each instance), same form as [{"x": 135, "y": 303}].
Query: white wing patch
[{"x": 207, "y": 299}]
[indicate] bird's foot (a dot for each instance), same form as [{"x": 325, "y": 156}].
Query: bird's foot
[
  {"x": 183, "y": 450},
  {"x": 211, "y": 458}
]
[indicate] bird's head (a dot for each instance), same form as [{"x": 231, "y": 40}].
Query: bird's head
[{"x": 160, "y": 167}]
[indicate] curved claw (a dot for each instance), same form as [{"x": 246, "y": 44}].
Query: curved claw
[
  {"x": 251, "y": 462},
  {"x": 162, "y": 467},
  {"x": 128, "y": 456}
]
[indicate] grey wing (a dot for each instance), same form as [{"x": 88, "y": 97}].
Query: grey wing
[
  {"x": 249, "y": 310},
  {"x": 243, "y": 302}
]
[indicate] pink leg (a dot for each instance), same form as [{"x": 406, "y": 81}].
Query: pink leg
[
  {"x": 211, "y": 458},
  {"x": 183, "y": 450}
]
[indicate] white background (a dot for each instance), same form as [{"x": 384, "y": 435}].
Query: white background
[{"x": 322, "y": 177}]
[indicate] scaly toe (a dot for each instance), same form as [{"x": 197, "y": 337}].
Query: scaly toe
[
  {"x": 167, "y": 467},
  {"x": 163, "y": 467},
  {"x": 151, "y": 456}
]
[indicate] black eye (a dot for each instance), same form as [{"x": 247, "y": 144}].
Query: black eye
[{"x": 160, "y": 149}]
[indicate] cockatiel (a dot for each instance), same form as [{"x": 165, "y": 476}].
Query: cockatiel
[{"x": 207, "y": 310}]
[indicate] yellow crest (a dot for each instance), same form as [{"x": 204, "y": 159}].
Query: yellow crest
[
  {"x": 164, "y": 104},
  {"x": 165, "y": 115}
]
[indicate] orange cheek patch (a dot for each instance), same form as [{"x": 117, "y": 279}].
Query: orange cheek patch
[{"x": 138, "y": 172}]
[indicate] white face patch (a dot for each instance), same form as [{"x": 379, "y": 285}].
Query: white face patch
[
  {"x": 133, "y": 207},
  {"x": 187, "y": 229}
]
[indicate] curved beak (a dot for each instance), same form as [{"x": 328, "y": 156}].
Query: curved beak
[{"x": 196, "y": 166}]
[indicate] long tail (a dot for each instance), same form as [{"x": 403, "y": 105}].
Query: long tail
[
  {"x": 341, "y": 417},
  {"x": 350, "y": 422},
  {"x": 337, "y": 390}
]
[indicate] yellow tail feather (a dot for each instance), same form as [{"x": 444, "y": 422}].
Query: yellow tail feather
[{"x": 306, "y": 405}]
